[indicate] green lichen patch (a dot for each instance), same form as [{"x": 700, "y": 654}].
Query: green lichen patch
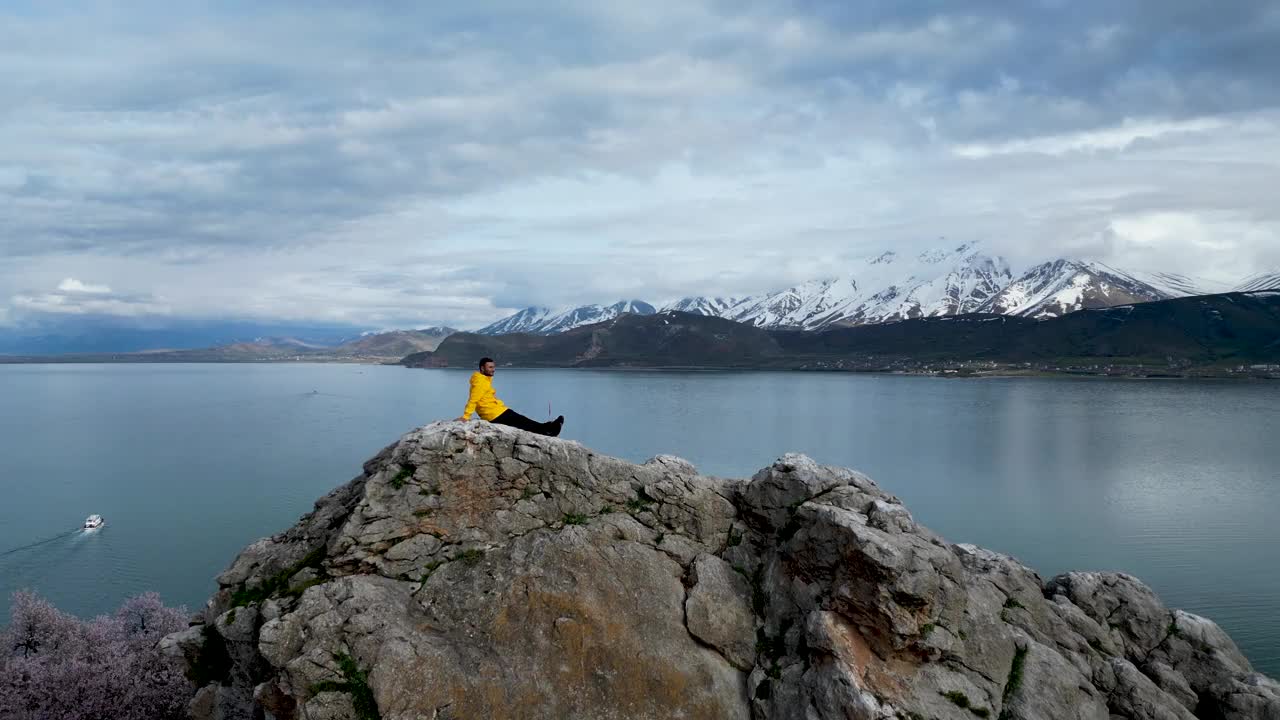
[
  {"x": 354, "y": 681},
  {"x": 639, "y": 503},
  {"x": 959, "y": 699},
  {"x": 1014, "y": 682},
  {"x": 279, "y": 582},
  {"x": 405, "y": 474}
]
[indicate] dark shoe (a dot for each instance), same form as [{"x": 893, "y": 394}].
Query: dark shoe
[{"x": 559, "y": 420}]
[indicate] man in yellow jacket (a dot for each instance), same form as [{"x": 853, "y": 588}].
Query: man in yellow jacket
[{"x": 485, "y": 403}]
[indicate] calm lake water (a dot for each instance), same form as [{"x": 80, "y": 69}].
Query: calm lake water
[{"x": 1177, "y": 482}]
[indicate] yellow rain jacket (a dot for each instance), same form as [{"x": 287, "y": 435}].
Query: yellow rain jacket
[{"x": 483, "y": 401}]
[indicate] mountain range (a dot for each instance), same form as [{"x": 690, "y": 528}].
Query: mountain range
[
  {"x": 1205, "y": 332},
  {"x": 880, "y": 288},
  {"x": 888, "y": 287},
  {"x": 395, "y": 343},
  {"x": 1261, "y": 281},
  {"x": 545, "y": 320}
]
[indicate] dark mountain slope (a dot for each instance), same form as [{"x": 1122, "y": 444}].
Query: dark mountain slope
[{"x": 667, "y": 339}]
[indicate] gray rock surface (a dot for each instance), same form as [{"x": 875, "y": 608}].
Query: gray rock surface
[{"x": 478, "y": 571}]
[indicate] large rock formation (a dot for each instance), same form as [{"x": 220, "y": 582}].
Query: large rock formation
[{"x": 477, "y": 571}]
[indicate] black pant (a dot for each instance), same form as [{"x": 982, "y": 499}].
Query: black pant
[{"x": 516, "y": 420}]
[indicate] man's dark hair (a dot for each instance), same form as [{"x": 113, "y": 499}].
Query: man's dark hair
[{"x": 483, "y": 361}]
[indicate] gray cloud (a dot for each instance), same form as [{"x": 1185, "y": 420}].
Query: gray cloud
[
  {"x": 440, "y": 163},
  {"x": 73, "y": 297}
]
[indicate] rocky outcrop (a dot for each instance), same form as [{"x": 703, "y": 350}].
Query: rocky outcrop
[{"x": 477, "y": 571}]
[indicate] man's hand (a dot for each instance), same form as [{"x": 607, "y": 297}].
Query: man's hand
[{"x": 463, "y": 419}]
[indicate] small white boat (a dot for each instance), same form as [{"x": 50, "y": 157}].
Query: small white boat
[{"x": 93, "y": 522}]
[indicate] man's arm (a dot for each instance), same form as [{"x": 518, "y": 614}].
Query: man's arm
[{"x": 472, "y": 398}]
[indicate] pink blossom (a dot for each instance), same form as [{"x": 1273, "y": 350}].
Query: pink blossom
[{"x": 54, "y": 666}]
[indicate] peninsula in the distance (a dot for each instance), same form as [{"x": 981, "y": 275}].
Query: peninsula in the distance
[{"x": 369, "y": 348}]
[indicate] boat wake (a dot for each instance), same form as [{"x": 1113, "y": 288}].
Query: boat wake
[{"x": 38, "y": 543}]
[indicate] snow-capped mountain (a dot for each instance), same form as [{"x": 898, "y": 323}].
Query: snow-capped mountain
[
  {"x": 714, "y": 306},
  {"x": 588, "y": 314},
  {"x": 947, "y": 284},
  {"x": 1062, "y": 286},
  {"x": 1261, "y": 281},
  {"x": 890, "y": 286},
  {"x": 527, "y": 320},
  {"x": 881, "y": 288},
  {"x": 540, "y": 320},
  {"x": 1173, "y": 284},
  {"x": 807, "y": 305}
]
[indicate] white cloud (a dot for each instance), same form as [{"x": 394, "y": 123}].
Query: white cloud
[
  {"x": 1224, "y": 247},
  {"x": 71, "y": 285},
  {"x": 1116, "y": 138}
]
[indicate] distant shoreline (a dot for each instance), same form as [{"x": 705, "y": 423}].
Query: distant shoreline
[
  {"x": 115, "y": 359},
  {"x": 946, "y": 372}
]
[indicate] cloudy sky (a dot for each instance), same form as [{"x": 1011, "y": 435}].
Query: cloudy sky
[{"x": 402, "y": 164}]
